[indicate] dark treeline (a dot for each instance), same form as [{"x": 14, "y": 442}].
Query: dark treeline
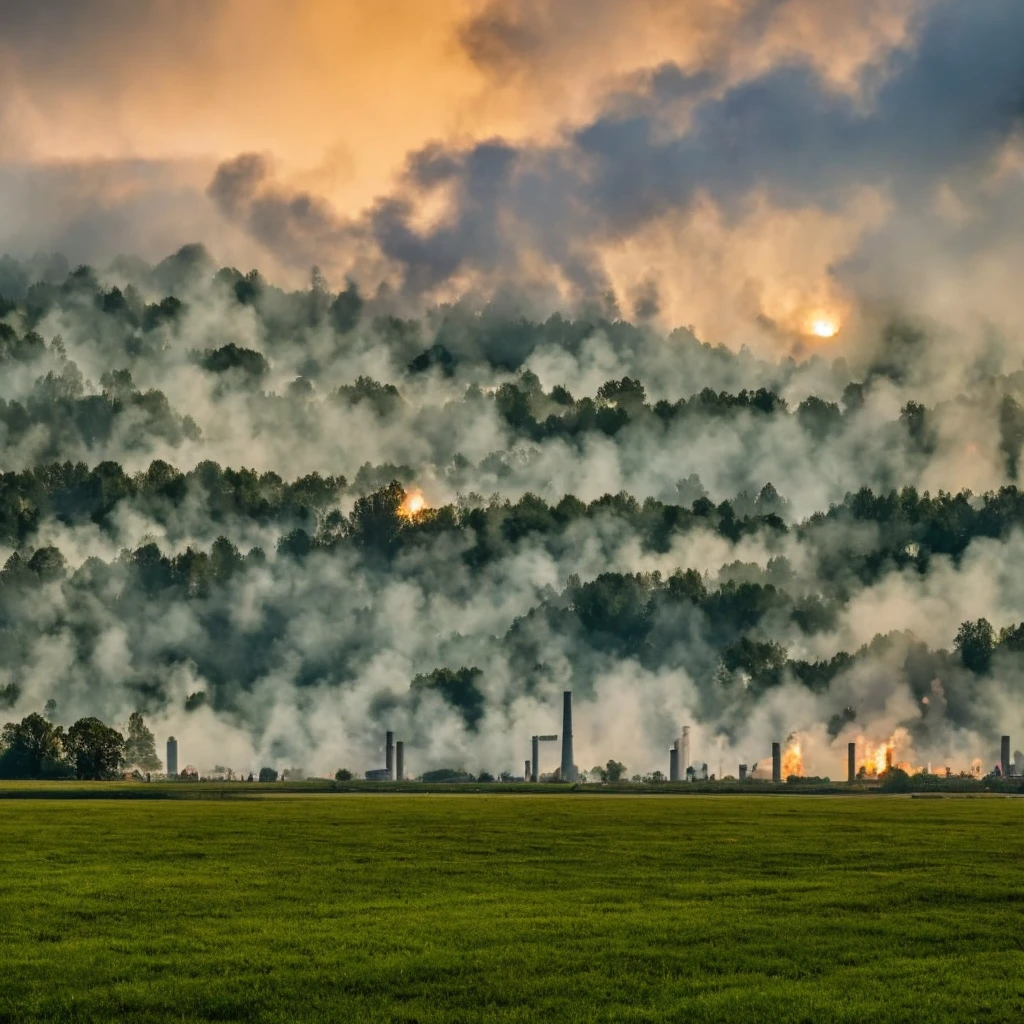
[
  {"x": 141, "y": 329},
  {"x": 74, "y": 493},
  {"x": 910, "y": 528},
  {"x": 36, "y": 748}
]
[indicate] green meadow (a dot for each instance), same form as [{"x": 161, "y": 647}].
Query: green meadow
[{"x": 435, "y": 908}]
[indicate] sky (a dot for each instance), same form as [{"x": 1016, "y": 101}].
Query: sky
[{"x": 753, "y": 168}]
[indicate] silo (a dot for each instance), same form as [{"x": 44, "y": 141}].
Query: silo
[
  {"x": 526, "y": 774},
  {"x": 776, "y": 762},
  {"x": 851, "y": 762},
  {"x": 172, "y": 756},
  {"x": 389, "y": 754},
  {"x": 743, "y": 773},
  {"x": 673, "y": 765},
  {"x": 400, "y": 760},
  {"x": 568, "y": 772},
  {"x": 1004, "y": 757}
]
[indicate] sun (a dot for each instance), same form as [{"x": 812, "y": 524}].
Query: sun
[{"x": 823, "y": 327}]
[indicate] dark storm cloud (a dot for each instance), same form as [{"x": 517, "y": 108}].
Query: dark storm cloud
[{"x": 935, "y": 110}]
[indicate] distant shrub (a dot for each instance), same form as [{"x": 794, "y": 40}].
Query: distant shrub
[{"x": 448, "y": 775}]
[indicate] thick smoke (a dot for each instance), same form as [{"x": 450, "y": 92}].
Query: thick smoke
[
  {"x": 499, "y": 324},
  {"x": 920, "y": 148},
  {"x": 249, "y": 615}
]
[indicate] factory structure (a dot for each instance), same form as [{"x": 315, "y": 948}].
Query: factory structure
[
  {"x": 680, "y": 766},
  {"x": 533, "y": 765},
  {"x": 681, "y": 771},
  {"x": 394, "y": 761},
  {"x": 567, "y": 770}
]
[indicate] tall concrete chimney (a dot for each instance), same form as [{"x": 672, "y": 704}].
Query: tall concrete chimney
[
  {"x": 568, "y": 773},
  {"x": 851, "y": 762},
  {"x": 526, "y": 774},
  {"x": 776, "y": 762},
  {"x": 389, "y": 753},
  {"x": 400, "y": 760},
  {"x": 673, "y": 764},
  {"x": 1004, "y": 757},
  {"x": 684, "y": 751},
  {"x": 172, "y": 756}
]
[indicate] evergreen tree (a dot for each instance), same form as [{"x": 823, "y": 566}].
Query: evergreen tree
[{"x": 140, "y": 747}]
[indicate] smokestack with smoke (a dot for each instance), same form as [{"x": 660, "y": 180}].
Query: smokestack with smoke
[
  {"x": 400, "y": 760},
  {"x": 568, "y": 772},
  {"x": 776, "y": 762},
  {"x": 851, "y": 762},
  {"x": 1004, "y": 756},
  {"x": 389, "y": 754}
]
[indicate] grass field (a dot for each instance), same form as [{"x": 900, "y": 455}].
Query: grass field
[{"x": 437, "y": 908}]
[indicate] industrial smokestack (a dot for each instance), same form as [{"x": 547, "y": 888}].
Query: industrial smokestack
[
  {"x": 673, "y": 765},
  {"x": 568, "y": 773},
  {"x": 851, "y": 762},
  {"x": 526, "y": 774},
  {"x": 389, "y": 754},
  {"x": 743, "y": 773},
  {"x": 400, "y": 760},
  {"x": 537, "y": 741},
  {"x": 684, "y": 750},
  {"x": 172, "y": 756},
  {"x": 776, "y": 762},
  {"x": 1004, "y": 757}
]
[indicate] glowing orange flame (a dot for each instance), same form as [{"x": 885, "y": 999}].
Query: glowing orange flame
[
  {"x": 413, "y": 505},
  {"x": 792, "y": 760},
  {"x": 880, "y": 757}
]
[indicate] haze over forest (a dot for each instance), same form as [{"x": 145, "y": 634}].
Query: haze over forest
[{"x": 670, "y": 354}]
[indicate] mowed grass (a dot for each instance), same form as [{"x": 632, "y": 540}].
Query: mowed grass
[{"x": 439, "y": 908}]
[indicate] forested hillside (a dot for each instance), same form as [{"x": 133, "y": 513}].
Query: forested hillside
[{"x": 278, "y": 522}]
